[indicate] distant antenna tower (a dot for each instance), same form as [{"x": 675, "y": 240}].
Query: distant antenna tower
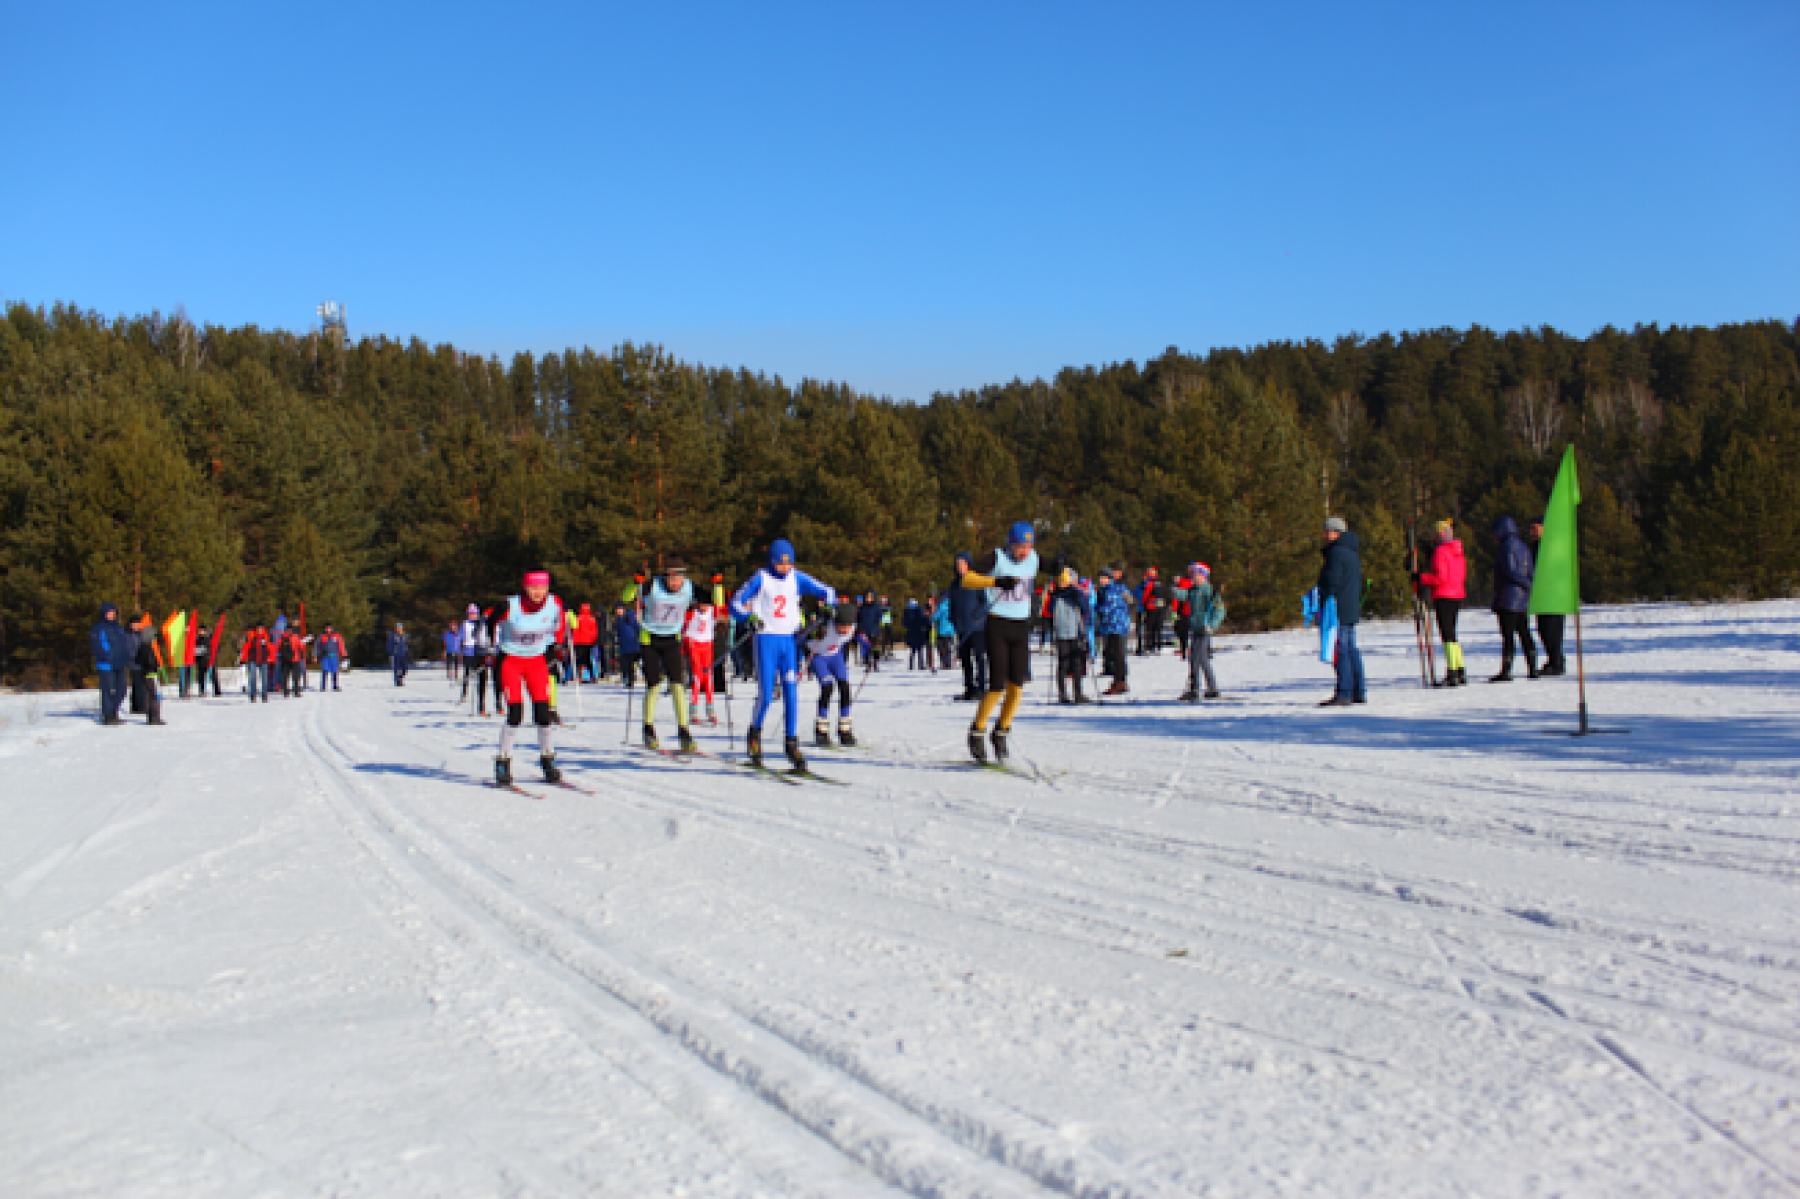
[{"x": 331, "y": 322}]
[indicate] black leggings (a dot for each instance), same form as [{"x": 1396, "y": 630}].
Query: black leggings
[
  {"x": 843, "y": 694},
  {"x": 1446, "y": 616},
  {"x": 1515, "y": 625},
  {"x": 1009, "y": 652},
  {"x": 663, "y": 658}
]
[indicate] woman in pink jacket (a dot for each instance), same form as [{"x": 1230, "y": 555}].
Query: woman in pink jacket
[{"x": 1446, "y": 578}]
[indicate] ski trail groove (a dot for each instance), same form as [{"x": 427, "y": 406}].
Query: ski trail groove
[{"x": 910, "y": 1142}]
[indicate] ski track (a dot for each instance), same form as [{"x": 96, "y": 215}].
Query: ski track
[{"x": 1347, "y": 919}]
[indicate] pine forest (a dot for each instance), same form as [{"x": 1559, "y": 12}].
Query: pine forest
[{"x": 158, "y": 464}]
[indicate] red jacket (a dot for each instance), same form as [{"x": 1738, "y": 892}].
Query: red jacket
[
  {"x": 1448, "y": 572},
  {"x": 587, "y": 629},
  {"x": 256, "y": 651}
]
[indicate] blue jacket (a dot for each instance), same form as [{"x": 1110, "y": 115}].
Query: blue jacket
[
  {"x": 968, "y": 609},
  {"x": 110, "y": 643},
  {"x": 1113, "y": 604},
  {"x": 917, "y": 625},
  {"x": 628, "y": 631},
  {"x": 396, "y": 647},
  {"x": 941, "y": 618},
  {"x": 1513, "y": 567},
  {"x": 1341, "y": 577}
]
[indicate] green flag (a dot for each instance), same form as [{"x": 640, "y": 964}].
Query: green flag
[{"x": 1556, "y": 584}]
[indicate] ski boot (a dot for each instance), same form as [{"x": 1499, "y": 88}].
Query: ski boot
[
  {"x": 846, "y": 738},
  {"x": 503, "y": 772},
  {"x": 712, "y": 717},
  {"x": 684, "y": 740},
  {"x": 1062, "y": 695},
  {"x": 977, "y": 746},
  {"x": 792, "y": 746},
  {"x": 650, "y": 741},
  {"x": 1117, "y": 689},
  {"x": 753, "y": 746},
  {"x": 1212, "y": 695},
  {"x": 555, "y": 716},
  {"x": 822, "y": 733},
  {"x": 998, "y": 739},
  {"x": 1190, "y": 696},
  {"x": 551, "y": 773}
]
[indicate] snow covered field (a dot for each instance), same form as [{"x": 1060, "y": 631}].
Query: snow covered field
[{"x": 1417, "y": 948}]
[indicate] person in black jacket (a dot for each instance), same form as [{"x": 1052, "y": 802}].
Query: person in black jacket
[
  {"x": 144, "y": 670},
  {"x": 1513, "y": 568},
  {"x": 1549, "y": 624},
  {"x": 111, "y": 647},
  {"x": 1341, "y": 578}
]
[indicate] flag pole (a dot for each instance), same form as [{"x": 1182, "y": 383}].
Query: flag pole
[{"x": 1581, "y": 675}]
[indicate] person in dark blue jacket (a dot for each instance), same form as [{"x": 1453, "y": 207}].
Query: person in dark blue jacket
[
  {"x": 1513, "y": 568},
  {"x": 968, "y": 615},
  {"x": 1341, "y": 578},
  {"x": 112, "y": 650},
  {"x": 398, "y": 653},
  {"x": 868, "y": 627},
  {"x": 630, "y": 642}
]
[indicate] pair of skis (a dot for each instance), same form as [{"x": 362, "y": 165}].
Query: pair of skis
[
  {"x": 1422, "y": 630},
  {"x": 791, "y": 777}
]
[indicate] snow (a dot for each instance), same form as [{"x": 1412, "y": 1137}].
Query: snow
[{"x": 1254, "y": 948}]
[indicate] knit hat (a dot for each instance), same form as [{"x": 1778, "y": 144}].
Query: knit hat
[
  {"x": 1445, "y": 530},
  {"x": 781, "y": 551},
  {"x": 1021, "y": 533},
  {"x": 1104, "y": 572},
  {"x": 673, "y": 565},
  {"x": 1201, "y": 569},
  {"x": 474, "y": 611},
  {"x": 1336, "y": 524}
]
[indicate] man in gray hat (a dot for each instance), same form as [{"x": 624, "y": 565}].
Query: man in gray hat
[{"x": 1341, "y": 578}]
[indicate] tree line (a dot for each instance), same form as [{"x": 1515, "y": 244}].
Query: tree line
[{"x": 154, "y": 463}]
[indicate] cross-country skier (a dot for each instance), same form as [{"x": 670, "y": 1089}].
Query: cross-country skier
[
  {"x": 664, "y": 605},
  {"x": 830, "y": 664},
  {"x": 531, "y": 622},
  {"x": 697, "y": 637},
  {"x": 1208, "y": 612},
  {"x": 1008, "y": 575},
  {"x": 1448, "y": 583},
  {"x": 770, "y": 600}
]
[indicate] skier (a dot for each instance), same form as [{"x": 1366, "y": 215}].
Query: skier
[
  {"x": 1070, "y": 621},
  {"x": 1207, "y": 613},
  {"x": 531, "y": 623},
  {"x": 1008, "y": 576},
  {"x": 1512, "y": 589},
  {"x": 722, "y": 635},
  {"x": 697, "y": 637},
  {"x": 1448, "y": 578},
  {"x": 629, "y": 635},
  {"x": 664, "y": 608},
  {"x": 770, "y": 601},
  {"x": 829, "y": 662},
  {"x": 330, "y": 648},
  {"x": 1112, "y": 622}
]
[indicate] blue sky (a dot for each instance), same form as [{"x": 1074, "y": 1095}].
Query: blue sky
[{"x": 909, "y": 198}]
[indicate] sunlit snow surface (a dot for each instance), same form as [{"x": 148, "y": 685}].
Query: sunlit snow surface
[{"x": 1417, "y": 948}]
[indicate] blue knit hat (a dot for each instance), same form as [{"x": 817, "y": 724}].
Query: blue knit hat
[
  {"x": 782, "y": 551},
  {"x": 1021, "y": 533}
]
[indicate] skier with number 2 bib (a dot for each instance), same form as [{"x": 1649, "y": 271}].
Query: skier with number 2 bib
[{"x": 770, "y": 602}]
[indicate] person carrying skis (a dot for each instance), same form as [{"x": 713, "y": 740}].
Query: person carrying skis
[
  {"x": 1008, "y": 576},
  {"x": 698, "y": 633},
  {"x": 829, "y": 661},
  {"x": 1070, "y": 621},
  {"x": 664, "y": 608},
  {"x": 330, "y": 648},
  {"x": 530, "y": 624},
  {"x": 770, "y": 601},
  {"x": 1448, "y": 579},
  {"x": 1208, "y": 612}
]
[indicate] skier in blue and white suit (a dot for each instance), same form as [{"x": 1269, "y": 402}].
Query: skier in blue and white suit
[{"x": 771, "y": 602}]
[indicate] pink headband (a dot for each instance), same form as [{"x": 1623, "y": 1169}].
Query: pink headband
[{"x": 537, "y": 578}]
